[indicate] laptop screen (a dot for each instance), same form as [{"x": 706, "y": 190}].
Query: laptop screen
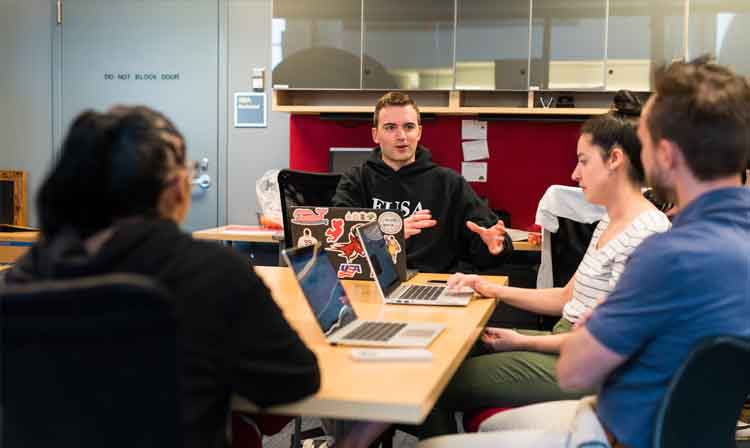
[
  {"x": 321, "y": 287},
  {"x": 377, "y": 252}
]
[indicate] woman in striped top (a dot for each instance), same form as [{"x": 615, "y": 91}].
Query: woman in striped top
[{"x": 515, "y": 368}]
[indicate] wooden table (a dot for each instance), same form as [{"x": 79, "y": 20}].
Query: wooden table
[
  {"x": 235, "y": 232},
  {"x": 257, "y": 234},
  {"x": 401, "y": 392},
  {"x": 15, "y": 244},
  {"x": 526, "y": 246}
]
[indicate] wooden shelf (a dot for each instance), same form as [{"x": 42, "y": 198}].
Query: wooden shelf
[
  {"x": 13, "y": 189},
  {"x": 430, "y": 101}
]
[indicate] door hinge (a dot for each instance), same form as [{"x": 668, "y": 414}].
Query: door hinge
[{"x": 59, "y": 12}]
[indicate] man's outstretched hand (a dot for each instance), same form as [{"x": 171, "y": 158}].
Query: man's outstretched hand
[
  {"x": 493, "y": 237},
  {"x": 419, "y": 220}
]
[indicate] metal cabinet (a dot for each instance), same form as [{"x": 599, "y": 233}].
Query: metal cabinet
[
  {"x": 721, "y": 29},
  {"x": 641, "y": 35},
  {"x": 408, "y": 44},
  {"x": 316, "y": 44},
  {"x": 498, "y": 45},
  {"x": 492, "y": 44}
]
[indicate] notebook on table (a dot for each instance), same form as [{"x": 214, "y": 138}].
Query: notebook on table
[
  {"x": 334, "y": 313},
  {"x": 391, "y": 288},
  {"x": 334, "y": 228}
]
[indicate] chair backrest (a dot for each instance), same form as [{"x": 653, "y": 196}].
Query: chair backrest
[
  {"x": 568, "y": 246},
  {"x": 706, "y": 394},
  {"x": 304, "y": 188},
  {"x": 569, "y": 221},
  {"x": 662, "y": 205},
  {"x": 89, "y": 362}
]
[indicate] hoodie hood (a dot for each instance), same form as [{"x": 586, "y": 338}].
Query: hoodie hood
[
  {"x": 422, "y": 163},
  {"x": 66, "y": 257}
]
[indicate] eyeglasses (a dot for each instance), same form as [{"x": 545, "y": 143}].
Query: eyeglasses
[{"x": 192, "y": 168}]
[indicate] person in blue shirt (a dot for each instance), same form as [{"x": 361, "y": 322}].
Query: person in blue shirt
[{"x": 677, "y": 288}]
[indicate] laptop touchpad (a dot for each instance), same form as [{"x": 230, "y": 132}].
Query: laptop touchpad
[{"x": 417, "y": 333}]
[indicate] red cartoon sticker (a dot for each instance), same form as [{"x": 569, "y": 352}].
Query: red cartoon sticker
[
  {"x": 352, "y": 249},
  {"x": 334, "y": 232}
]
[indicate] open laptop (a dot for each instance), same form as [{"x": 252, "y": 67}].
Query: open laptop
[
  {"x": 391, "y": 288},
  {"x": 335, "y": 315},
  {"x": 335, "y": 229}
]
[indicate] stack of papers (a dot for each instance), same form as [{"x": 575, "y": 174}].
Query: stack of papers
[{"x": 517, "y": 235}]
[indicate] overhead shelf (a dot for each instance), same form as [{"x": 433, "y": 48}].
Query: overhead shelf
[{"x": 440, "y": 102}]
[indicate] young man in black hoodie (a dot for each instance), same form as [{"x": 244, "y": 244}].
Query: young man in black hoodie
[
  {"x": 447, "y": 227},
  {"x": 112, "y": 203}
]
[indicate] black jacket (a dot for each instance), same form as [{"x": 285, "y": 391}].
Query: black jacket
[
  {"x": 446, "y": 247},
  {"x": 233, "y": 336}
]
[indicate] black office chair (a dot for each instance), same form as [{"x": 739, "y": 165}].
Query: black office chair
[
  {"x": 89, "y": 362},
  {"x": 568, "y": 246},
  {"x": 572, "y": 239},
  {"x": 658, "y": 202},
  {"x": 705, "y": 397},
  {"x": 304, "y": 188}
]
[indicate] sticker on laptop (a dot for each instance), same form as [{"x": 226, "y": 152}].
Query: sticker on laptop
[
  {"x": 306, "y": 239},
  {"x": 352, "y": 249},
  {"x": 394, "y": 248},
  {"x": 334, "y": 232},
  {"x": 390, "y": 223},
  {"x": 348, "y": 270},
  {"x": 360, "y": 216},
  {"x": 310, "y": 217}
]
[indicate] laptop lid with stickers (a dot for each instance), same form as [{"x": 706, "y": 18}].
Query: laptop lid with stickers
[{"x": 334, "y": 228}]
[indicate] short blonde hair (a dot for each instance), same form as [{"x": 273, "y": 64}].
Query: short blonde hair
[{"x": 394, "y": 99}]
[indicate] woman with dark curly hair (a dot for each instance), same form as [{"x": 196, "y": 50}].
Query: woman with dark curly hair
[{"x": 112, "y": 203}]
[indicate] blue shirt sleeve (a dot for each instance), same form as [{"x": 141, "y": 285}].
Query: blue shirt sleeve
[{"x": 640, "y": 304}]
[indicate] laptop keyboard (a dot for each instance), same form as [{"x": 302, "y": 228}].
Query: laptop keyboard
[
  {"x": 375, "y": 331},
  {"x": 421, "y": 292}
]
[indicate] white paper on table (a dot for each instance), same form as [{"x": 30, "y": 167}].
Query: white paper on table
[
  {"x": 474, "y": 171},
  {"x": 475, "y": 150},
  {"x": 473, "y": 130},
  {"x": 517, "y": 234}
]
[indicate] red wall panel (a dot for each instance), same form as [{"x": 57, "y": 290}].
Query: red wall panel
[{"x": 525, "y": 156}]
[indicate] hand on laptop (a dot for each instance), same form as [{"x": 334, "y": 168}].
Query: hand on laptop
[
  {"x": 502, "y": 339},
  {"x": 419, "y": 220},
  {"x": 493, "y": 237},
  {"x": 475, "y": 282}
]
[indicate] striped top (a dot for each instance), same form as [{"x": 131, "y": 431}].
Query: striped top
[{"x": 601, "y": 268}]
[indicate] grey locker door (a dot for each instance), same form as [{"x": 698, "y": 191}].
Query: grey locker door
[{"x": 160, "y": 53}]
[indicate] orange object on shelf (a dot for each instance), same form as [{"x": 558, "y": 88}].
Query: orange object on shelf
[
  {"x": 535, "y": 238},
  {"x": 270, "y": 223}
]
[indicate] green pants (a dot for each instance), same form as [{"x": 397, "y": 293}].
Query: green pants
[{"x": 507, "y": 379}]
